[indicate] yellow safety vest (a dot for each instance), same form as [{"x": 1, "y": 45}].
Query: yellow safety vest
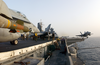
[
  {"x": 58, "y": 39},
  {"x": 35, "y": 34}
]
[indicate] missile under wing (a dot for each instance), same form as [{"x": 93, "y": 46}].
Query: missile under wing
[{"x": 12, "y": 24}]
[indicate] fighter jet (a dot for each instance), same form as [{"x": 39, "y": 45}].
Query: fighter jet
[
  {"x": 86, "y": 34},
  {"x": 13, "y": 24},
  {"x": 47, "y": 33},
  {"x": 52, "y": 31},
  {"x": 42, "y": 33}
]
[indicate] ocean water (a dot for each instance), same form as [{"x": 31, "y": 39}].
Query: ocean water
[{"x": 89, "y": 51}]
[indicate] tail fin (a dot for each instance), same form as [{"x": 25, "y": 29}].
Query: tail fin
[
  {"x": 81, "y": 33},
  {"x": 48, "y": 28}
]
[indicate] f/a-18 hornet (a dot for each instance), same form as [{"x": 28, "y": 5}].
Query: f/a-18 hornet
[
  {"x": 12, "y": 24},
  {"x": 42, "y": 33},
  {"x": 86, "y": 34}
]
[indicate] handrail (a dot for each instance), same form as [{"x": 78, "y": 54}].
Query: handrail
[
  {"x": 69, "y": 60},
  {"x": 11, "y": 55}
]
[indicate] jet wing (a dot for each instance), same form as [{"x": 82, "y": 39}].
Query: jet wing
[
  {"x": 18, "y": 15},
  {"x": 40, "y": 34}
]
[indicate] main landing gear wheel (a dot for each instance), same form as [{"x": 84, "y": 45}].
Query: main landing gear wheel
[{"x": 14, "y": 42}]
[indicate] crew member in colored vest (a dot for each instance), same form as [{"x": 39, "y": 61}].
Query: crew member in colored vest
[
  {"x": 27, "y": 36},
  {"x": 36, "y": 36},
  {"x": 53, "y": 36}
]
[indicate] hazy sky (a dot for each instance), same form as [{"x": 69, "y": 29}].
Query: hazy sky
[{"x": 68, "y": 17}]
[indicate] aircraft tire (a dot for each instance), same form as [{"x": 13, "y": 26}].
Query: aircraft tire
[{"x": 14, "y": 42}]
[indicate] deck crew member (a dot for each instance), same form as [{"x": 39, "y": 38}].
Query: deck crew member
[
  {"x": 53, "y": 36},
  {"x": 26, "y": 36},
  {"x": 36, "y": 36}
]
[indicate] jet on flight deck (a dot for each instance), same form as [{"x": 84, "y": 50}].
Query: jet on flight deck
[{"x": 42, "y": 33}]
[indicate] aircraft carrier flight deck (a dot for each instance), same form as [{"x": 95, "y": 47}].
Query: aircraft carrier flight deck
[{"x": 6, "y": 46}]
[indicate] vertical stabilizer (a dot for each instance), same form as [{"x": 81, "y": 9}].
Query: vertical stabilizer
[
  {"x": 81, "y": 33},
  {"x": 48, "y": 28}
]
